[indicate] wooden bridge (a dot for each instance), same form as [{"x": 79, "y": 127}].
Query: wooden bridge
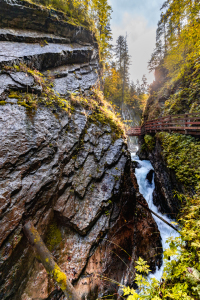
[{"x": 185, "y": 124}]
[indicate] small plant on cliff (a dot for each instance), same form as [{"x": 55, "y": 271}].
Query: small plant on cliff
[
  {"x": 146, "y": 287},
  {"x": 149, "y": 142},
  {"x": 47, "y": 94},
  {"x": 102, "y": 111}
]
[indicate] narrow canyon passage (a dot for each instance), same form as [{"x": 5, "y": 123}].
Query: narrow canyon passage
[{"x": 96, "y": 157}]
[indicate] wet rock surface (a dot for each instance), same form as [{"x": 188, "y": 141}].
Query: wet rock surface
[
  {"x": 30, "y": 36},
  {"x": 40, "y": 179},
  {"x": 132, "y": 233},
  {"x": 67, "y": 53},
  {"x": 71, "y": 177},
  {"x": 20, "y": 15}
]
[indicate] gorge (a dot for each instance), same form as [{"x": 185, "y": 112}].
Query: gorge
[
  {"x": 64, "y": 163},
  {"x": 70, "y": 173}
]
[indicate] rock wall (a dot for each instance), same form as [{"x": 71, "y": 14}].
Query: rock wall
[{"x": 68, "y": 173}]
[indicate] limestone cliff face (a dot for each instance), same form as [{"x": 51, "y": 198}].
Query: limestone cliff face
[{"x": 68, "y": 173}]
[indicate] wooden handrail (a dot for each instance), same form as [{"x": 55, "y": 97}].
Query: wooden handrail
[{"x": 188, "y": 124}]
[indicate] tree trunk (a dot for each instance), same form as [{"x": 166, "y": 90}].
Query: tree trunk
[
  {"x": 123, "y": 88},
  {"x": 48, "y": 262}
]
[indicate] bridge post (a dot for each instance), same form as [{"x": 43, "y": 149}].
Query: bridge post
[
  {"x": 170, "y": 120},
  {"x": 186, "y": 123}
]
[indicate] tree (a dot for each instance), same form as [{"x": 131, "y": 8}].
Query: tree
[
  {"x": 101, "y": 12},
  {"x": 117, "y": 86},
  {"x": 93, "y": 14},
  {"x": 119, "y": 49},
  {"x": 144, "y": 85},
  {"x": 178, "y": 37},
  {"x": 123, "y": 64}
]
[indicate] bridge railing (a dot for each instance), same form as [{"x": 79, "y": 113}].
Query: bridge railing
[
  {"x": 135, "y": 131},
  {"x": 186, "y": 124}
]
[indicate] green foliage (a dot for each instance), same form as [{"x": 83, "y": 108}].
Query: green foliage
[
  {"x": 149, "y": 142},
  {"x": 95, "y": 15},
  {"x": 181, "y": 277},
  {"x": 182, "y": 154},
  {"x": 133, "y": 95},
  {"x": 142, "y": 266},
  {"x": 118, "y": 89},
  {"x": 74, "y": 10},
  {"x": 101, "y": 111},
  {"x": 146, "y": 287},
  {"x": 177, "y": 36},
  {"x": 176, "y": 60},
  {"x": 101, "y": 14},
  {"x": 180, "y": 95},
  {"x": 187, "y": 95}
]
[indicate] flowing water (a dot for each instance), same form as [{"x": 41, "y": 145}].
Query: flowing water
[{"x": 146, "y": 189}]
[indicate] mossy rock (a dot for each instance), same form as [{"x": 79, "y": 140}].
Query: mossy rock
[{"x": 54, "y": 236}]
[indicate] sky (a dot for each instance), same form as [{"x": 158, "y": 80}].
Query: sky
[{"x": 137, "y": 18}]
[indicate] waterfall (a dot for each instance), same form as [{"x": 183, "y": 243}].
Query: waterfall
[{"x": 146, "y": 189}]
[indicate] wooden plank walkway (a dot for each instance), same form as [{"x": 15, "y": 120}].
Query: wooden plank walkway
[{"x": 185, "y": 124}]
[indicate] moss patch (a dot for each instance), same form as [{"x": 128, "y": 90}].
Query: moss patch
[
  {"x": 54, "y": 236},
  {"x": 175, "y": 96},
  {"x": 149, "y": 142},
  {"x": 101, "y": 111},
  {"x": 182, "y": 154}
]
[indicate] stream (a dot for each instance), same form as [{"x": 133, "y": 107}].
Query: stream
[{"x": 146, "y": 189}]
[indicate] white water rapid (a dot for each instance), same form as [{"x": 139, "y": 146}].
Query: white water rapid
[{"x": 146, "y": 189}]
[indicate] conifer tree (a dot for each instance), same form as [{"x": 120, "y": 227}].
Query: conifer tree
[
  {"x": 123, "y": 64},
  {"x": 101, "y": 11},
  {"x": 177, "y": 40},
  {"x": 117, "y": 86},
  {"x": 119, "y": 49}
]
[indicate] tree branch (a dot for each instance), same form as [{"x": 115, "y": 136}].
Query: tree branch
[{"x": 48, "y": 261}]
